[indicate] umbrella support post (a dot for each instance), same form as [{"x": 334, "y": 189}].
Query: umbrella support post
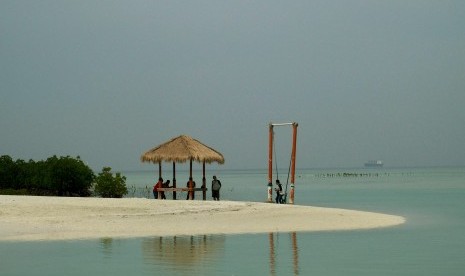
[
  {"x": 191, "y": 192},
  {"x": 174, "y": 180},
  {"x": 204, "y": 190},
  {"x": 204, "y": 183}
]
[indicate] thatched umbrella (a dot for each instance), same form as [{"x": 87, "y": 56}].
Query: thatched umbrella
[{"x": 180, "y": 150}]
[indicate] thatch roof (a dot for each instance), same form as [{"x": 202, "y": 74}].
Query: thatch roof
[{"x": 181, "y": 149}]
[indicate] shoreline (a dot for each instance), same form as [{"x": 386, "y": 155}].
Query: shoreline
[{"x": 38, "y": 218}]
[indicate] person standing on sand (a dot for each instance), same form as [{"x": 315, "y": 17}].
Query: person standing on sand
[
  {"x": 155, "y": 188},
  {"x": 216, "y": 186},
  {"x": 193, "y": 187},
  {"x": 279, "y": 192}
]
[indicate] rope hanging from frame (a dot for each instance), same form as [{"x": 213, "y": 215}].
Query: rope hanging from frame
[{"x": 276, "y": 165}]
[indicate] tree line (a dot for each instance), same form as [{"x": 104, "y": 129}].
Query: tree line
[{"x": 58, "y": 176}]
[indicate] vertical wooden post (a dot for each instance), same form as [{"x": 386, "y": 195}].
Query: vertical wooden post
[
  {"x": 294, "y": 149},
  {"x": 190, "y": 192},
  {"x": 270, "y": 164},
  {"x": 204, "y": 183},
  {"x": 159, "y": 176},
  {"x": 174, "y": 180}
]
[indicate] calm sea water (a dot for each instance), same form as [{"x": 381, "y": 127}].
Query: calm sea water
[{"x": 430, "y": 243}]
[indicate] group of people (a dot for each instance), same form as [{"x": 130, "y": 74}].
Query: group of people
[
  {"x": 160, "y": 184},
  {"x": 215, "y": 188}
]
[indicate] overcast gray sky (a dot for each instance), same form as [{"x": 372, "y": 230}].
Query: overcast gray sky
[{"x": 108, "y": 80}]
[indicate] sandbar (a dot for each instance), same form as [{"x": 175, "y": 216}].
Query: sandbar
[{"x": 36, "y": 218}]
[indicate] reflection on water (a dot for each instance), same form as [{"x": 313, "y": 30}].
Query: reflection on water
[
  {"x": 106, "y": 245},
  {"x": 295, "y": 253},
  {"x": 272, "y": 255},
  {"x": 205, "y": 254},
  {"x": 274, "y": 252},
  {"x": 183, "y": 251}
]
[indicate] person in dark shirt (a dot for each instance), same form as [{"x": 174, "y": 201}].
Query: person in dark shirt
[
  {"x": 193, "y": 187},
  {"x": 216, "y": 186},
  {"x": 279, "y": 192},
  {"x": 164, "y": 185}
]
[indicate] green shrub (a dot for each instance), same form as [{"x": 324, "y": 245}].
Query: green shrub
[
  {"x": 70, "y": 176},
  {"x": 107, "y": 185},
  {"x": 8, "y": 170},
  {"x": 10, "y": 191},
  {"x": 64, "y": 176}
]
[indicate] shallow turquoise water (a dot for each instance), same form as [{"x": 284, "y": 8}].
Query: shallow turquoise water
[{"x": 430, "y": 243}]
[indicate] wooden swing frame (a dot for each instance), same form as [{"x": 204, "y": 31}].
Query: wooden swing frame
[{"x": 270, "y": 159}]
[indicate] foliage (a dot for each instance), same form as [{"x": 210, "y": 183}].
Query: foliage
[
  {"x": 107, "y": 185},
  {"x": 14, "y": 192},
  {"x": 64, "y": 176},
  {"x": 70, "y": 176},
  {"x": 7, "y": 172}
]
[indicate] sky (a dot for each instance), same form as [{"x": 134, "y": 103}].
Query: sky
[{"x": 109, "y": 80}]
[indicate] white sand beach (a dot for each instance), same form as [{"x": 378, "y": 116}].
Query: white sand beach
[{"x": 32, "y": 218}]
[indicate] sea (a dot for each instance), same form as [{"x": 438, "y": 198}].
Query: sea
[{"x": 431, "y": 242}]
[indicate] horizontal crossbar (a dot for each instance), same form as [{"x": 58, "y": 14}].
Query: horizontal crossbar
[{"x": 181, "y": 189}]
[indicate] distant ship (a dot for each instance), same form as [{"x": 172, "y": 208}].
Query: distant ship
[{"x": 374, "y": 164}]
